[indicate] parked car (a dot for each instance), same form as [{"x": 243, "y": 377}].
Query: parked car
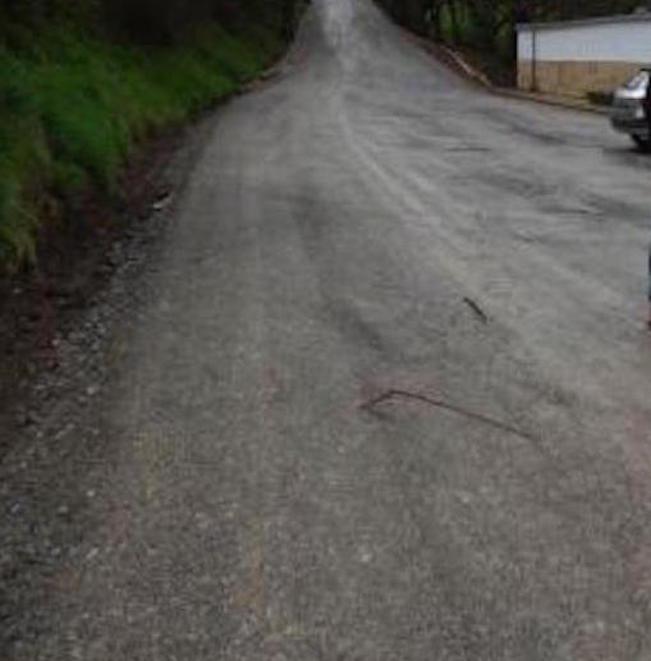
[{"x": 628, "y": 113}]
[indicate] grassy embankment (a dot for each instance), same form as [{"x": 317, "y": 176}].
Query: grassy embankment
[{"x": 74, "y": 105}]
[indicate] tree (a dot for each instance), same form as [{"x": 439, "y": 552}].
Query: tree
[{"x": 484, "y": 22}]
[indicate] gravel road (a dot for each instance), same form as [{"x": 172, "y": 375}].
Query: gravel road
[{"x": 388, "y": 397}]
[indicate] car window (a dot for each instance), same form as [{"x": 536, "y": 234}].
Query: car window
[{"x": 639, "y": 81}]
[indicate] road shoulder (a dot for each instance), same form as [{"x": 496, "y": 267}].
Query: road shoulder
[{"x": 460, "y": 65}]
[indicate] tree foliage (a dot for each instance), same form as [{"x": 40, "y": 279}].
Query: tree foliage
[
  {"x": 149, "y": 21},
  {"x": 484, "y": 21}
]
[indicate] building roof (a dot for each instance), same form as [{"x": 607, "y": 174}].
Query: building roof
[{"x": 637, "y": 17}]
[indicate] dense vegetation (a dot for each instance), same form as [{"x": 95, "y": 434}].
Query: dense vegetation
[
  {"x": 82, "y": 82},
  {"x": 487, "y": 25}
]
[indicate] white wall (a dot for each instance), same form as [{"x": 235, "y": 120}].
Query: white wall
[
  {"x": 525, "y": 45},
  {"x": 628, "y": 41}
]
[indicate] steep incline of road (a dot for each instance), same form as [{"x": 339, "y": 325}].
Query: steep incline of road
[{"x": 392, "y": 400}]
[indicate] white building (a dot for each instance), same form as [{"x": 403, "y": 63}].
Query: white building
[{"x": 577, "y": 57}]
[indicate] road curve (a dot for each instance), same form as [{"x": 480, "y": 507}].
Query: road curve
[{"x": 392, "y": 399}]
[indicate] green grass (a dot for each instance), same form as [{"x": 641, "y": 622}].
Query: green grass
[{"x": 72, "y": 109}]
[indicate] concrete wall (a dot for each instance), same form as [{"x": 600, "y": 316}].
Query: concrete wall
[{"x": 581, "y": 56}]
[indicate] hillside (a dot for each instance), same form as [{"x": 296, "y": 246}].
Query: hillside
[{"x": 83, "y": 83}]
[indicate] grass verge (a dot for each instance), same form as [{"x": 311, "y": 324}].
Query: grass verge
[{"x": 73, "y": 107}]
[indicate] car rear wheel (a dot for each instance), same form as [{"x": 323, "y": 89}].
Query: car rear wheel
[{"x": 643, "y": 144}]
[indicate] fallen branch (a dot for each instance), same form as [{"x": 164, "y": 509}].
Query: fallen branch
[
  {"x": 441, "y": 404},
  {"x": 476, "y": 309}
]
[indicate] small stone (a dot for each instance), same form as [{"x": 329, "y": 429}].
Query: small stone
[
  {"x": 92, "y": 554},
  {"x": 465, "y": 497},
  {"x": 27, "y": 418},
  {"x": 63, "y": 510},
  {"x": 91, "y": 391},
  {"x": 162, "y": 202},
  {"x": 91, "y": 493},
  {"x": 365, "y": 556}
]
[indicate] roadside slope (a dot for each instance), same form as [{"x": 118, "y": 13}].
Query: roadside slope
[
  {"x": 76, "y": 101},
  {"x": 90, "y": 120}
]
